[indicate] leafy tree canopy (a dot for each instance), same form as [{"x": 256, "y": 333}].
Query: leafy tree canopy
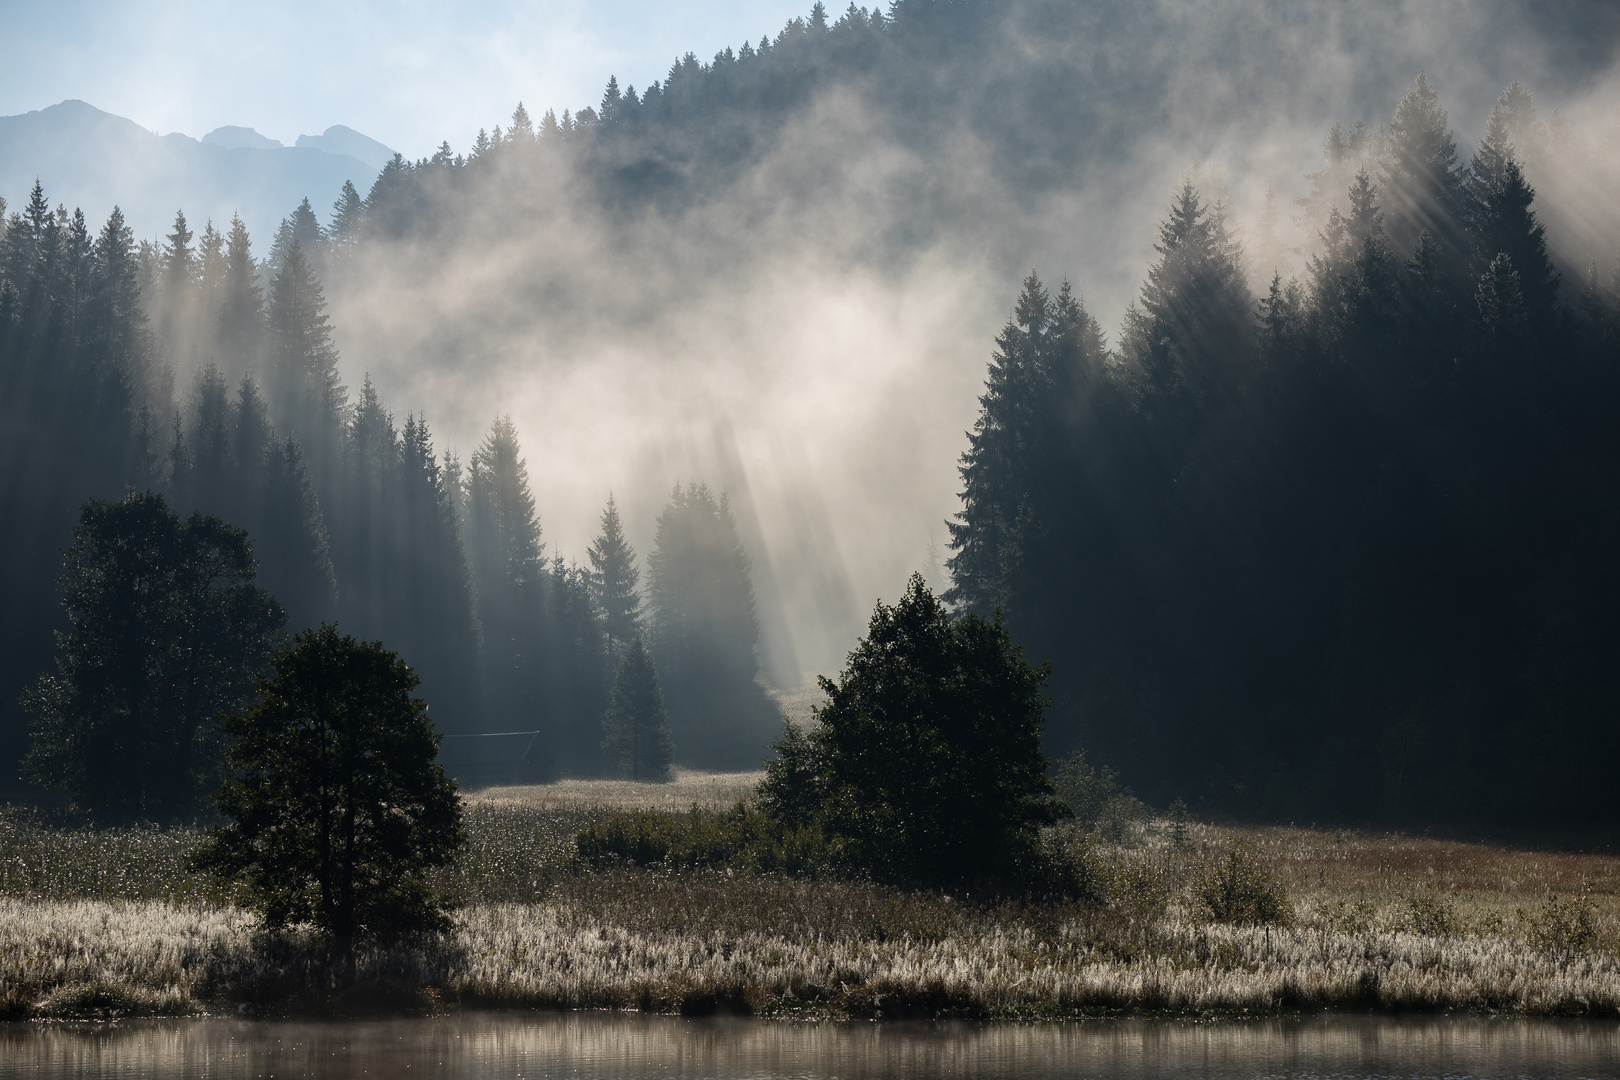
[
  {"x": 927, "y": 761},
  {"x": 166, "y": 631},
  {"x": 336, "y": 807}
]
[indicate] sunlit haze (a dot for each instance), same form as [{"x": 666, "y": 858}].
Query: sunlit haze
[{"x": 408, "y": 74}]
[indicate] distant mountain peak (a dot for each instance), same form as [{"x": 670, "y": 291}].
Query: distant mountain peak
[
  {"x": 338, "y": 139},
  {"x": 92, "y": 159},
  {"x": 240, "y": 138}
]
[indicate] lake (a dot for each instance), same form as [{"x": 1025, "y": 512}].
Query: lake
[{"x": 539, "y": 1045}]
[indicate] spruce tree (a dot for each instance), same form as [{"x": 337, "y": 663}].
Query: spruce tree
[
  {"x": 1353, "y": 278},
  {"x": 506, "y": 558},
  {"x": 239, "y": 332},
  {"x": 306, "y": 392},
  {"x": 176, "y": 298},
  {"x": 704, "y": 632},
  {"x": 303, "y": 229},
  {"x": 292, "y": 537},
  {"x": 636, "y": 729},
  {"x": 435, "y": 617},
  {"x": 576, "y": 668},
  {"x": 614, "y": 576},
  {"x": 117, "y": 324},
  {"x": 348, "y": 212},
  {"x": 1422, "y": 183},
  {"x": 1185, "y": 338},
  {"x": 210, "y": 268},
  {"x": 215, "y": 470},
  {"x": 522, "y": 132},
  {"x": 988, "y": 534},
  {"x": 1505, "y": 224},
  {"x": 179, "y": 260}
]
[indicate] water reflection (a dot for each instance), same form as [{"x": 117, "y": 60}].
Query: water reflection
[{"x": 535, "y": 1046}]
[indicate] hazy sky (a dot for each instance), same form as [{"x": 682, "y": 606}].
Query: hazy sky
[{"x": 408, "y": 73}]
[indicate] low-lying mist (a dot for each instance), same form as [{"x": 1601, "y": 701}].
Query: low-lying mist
[{"x": 793, "y": 297}]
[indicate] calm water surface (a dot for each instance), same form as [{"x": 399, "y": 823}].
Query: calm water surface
[{"x": 535, "y": 1046}]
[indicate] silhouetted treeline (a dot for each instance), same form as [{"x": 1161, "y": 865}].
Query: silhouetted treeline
[
  {"x": 1345, "y": 551},
  {"x": 352, "y": 516}
]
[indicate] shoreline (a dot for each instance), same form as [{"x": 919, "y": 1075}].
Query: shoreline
[{"x": 99, "y": 960}]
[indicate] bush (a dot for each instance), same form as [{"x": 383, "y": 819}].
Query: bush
[
  {"x": 1179, "y": 820},
  {"x": 1566, "y": 928},
  {"x": 1239, "y": 889},
  {"x": 1094, "y": 796},
  {"x": 741, "y": 838},
  {"x": 1431, "y": 914}
]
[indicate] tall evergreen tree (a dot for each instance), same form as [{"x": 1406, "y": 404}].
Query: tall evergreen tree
[
  {"x": 348, "y": 213},
  {"x": 506, "y": 557},
  {"x": 636, "y": 728},
  {"x": 1505, "y": 224},
  {"x": 239, "y": 333},
  {"x": 180, "y": 263},
  {"x": 614, "y": 576},
  {"x": 306, "y": 391},
  {"x": 1422, "y": 182},
  {"x": 215, "y": 468},
  {"x": 577, "y": 668},
  {"x": 1192, "y": 321},
  {"x": 997, "y": 508},
  {"x": 303, "y": 229},
  {"x": 705, "y": 631}
]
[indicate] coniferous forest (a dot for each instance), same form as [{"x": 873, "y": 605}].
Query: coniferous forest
[{"x": 1322, "y": 532}]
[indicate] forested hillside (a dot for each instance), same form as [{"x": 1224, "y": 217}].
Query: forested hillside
[
  {"x": 354, "y": 516},
  {"x": 775, "y": 267},
  {"x": 1314, "y": 527},
  {"x": 1341, "y": 551}
]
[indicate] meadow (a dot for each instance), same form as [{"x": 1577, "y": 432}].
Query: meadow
[{"x": 109, "y": 922}]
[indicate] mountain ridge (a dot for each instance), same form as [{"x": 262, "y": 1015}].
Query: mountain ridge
[{"x": 88, "y": 158}]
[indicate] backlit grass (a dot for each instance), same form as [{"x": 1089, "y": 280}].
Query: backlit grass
[{"x": 109, "y": 922}]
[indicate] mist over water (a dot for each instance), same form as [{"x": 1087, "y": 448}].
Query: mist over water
[
  {"x": 587, "y": 1044},
  {"x": 806, "y": 321}
]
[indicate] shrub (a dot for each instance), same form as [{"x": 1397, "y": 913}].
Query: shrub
[
  {"x": 742, "y": 838},
  {"x": 1431, "y": 914},
  {"x": 1566, "y": 928},
  {"x": 1092, "y": 794},
  {"x": 1239, "y": 889},
  {"x": 1179, "y": 820}
]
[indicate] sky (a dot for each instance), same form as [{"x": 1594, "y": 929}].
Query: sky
[{"x": 409, "y": 73}]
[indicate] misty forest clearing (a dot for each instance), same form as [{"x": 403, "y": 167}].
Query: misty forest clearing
[{"x": 1156, "y": 433}]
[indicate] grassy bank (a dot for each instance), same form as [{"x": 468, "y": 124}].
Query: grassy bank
[{"x": 109, "y": 923}]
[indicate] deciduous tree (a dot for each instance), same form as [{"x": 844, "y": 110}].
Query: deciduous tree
[{"x": 337, "y": 809}]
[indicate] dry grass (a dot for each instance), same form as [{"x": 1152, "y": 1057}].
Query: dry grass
[
  {"x": 108, "y": 923},
  {"x": 1486, "y": 889},
  {"x": 688, "y": 788}
]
